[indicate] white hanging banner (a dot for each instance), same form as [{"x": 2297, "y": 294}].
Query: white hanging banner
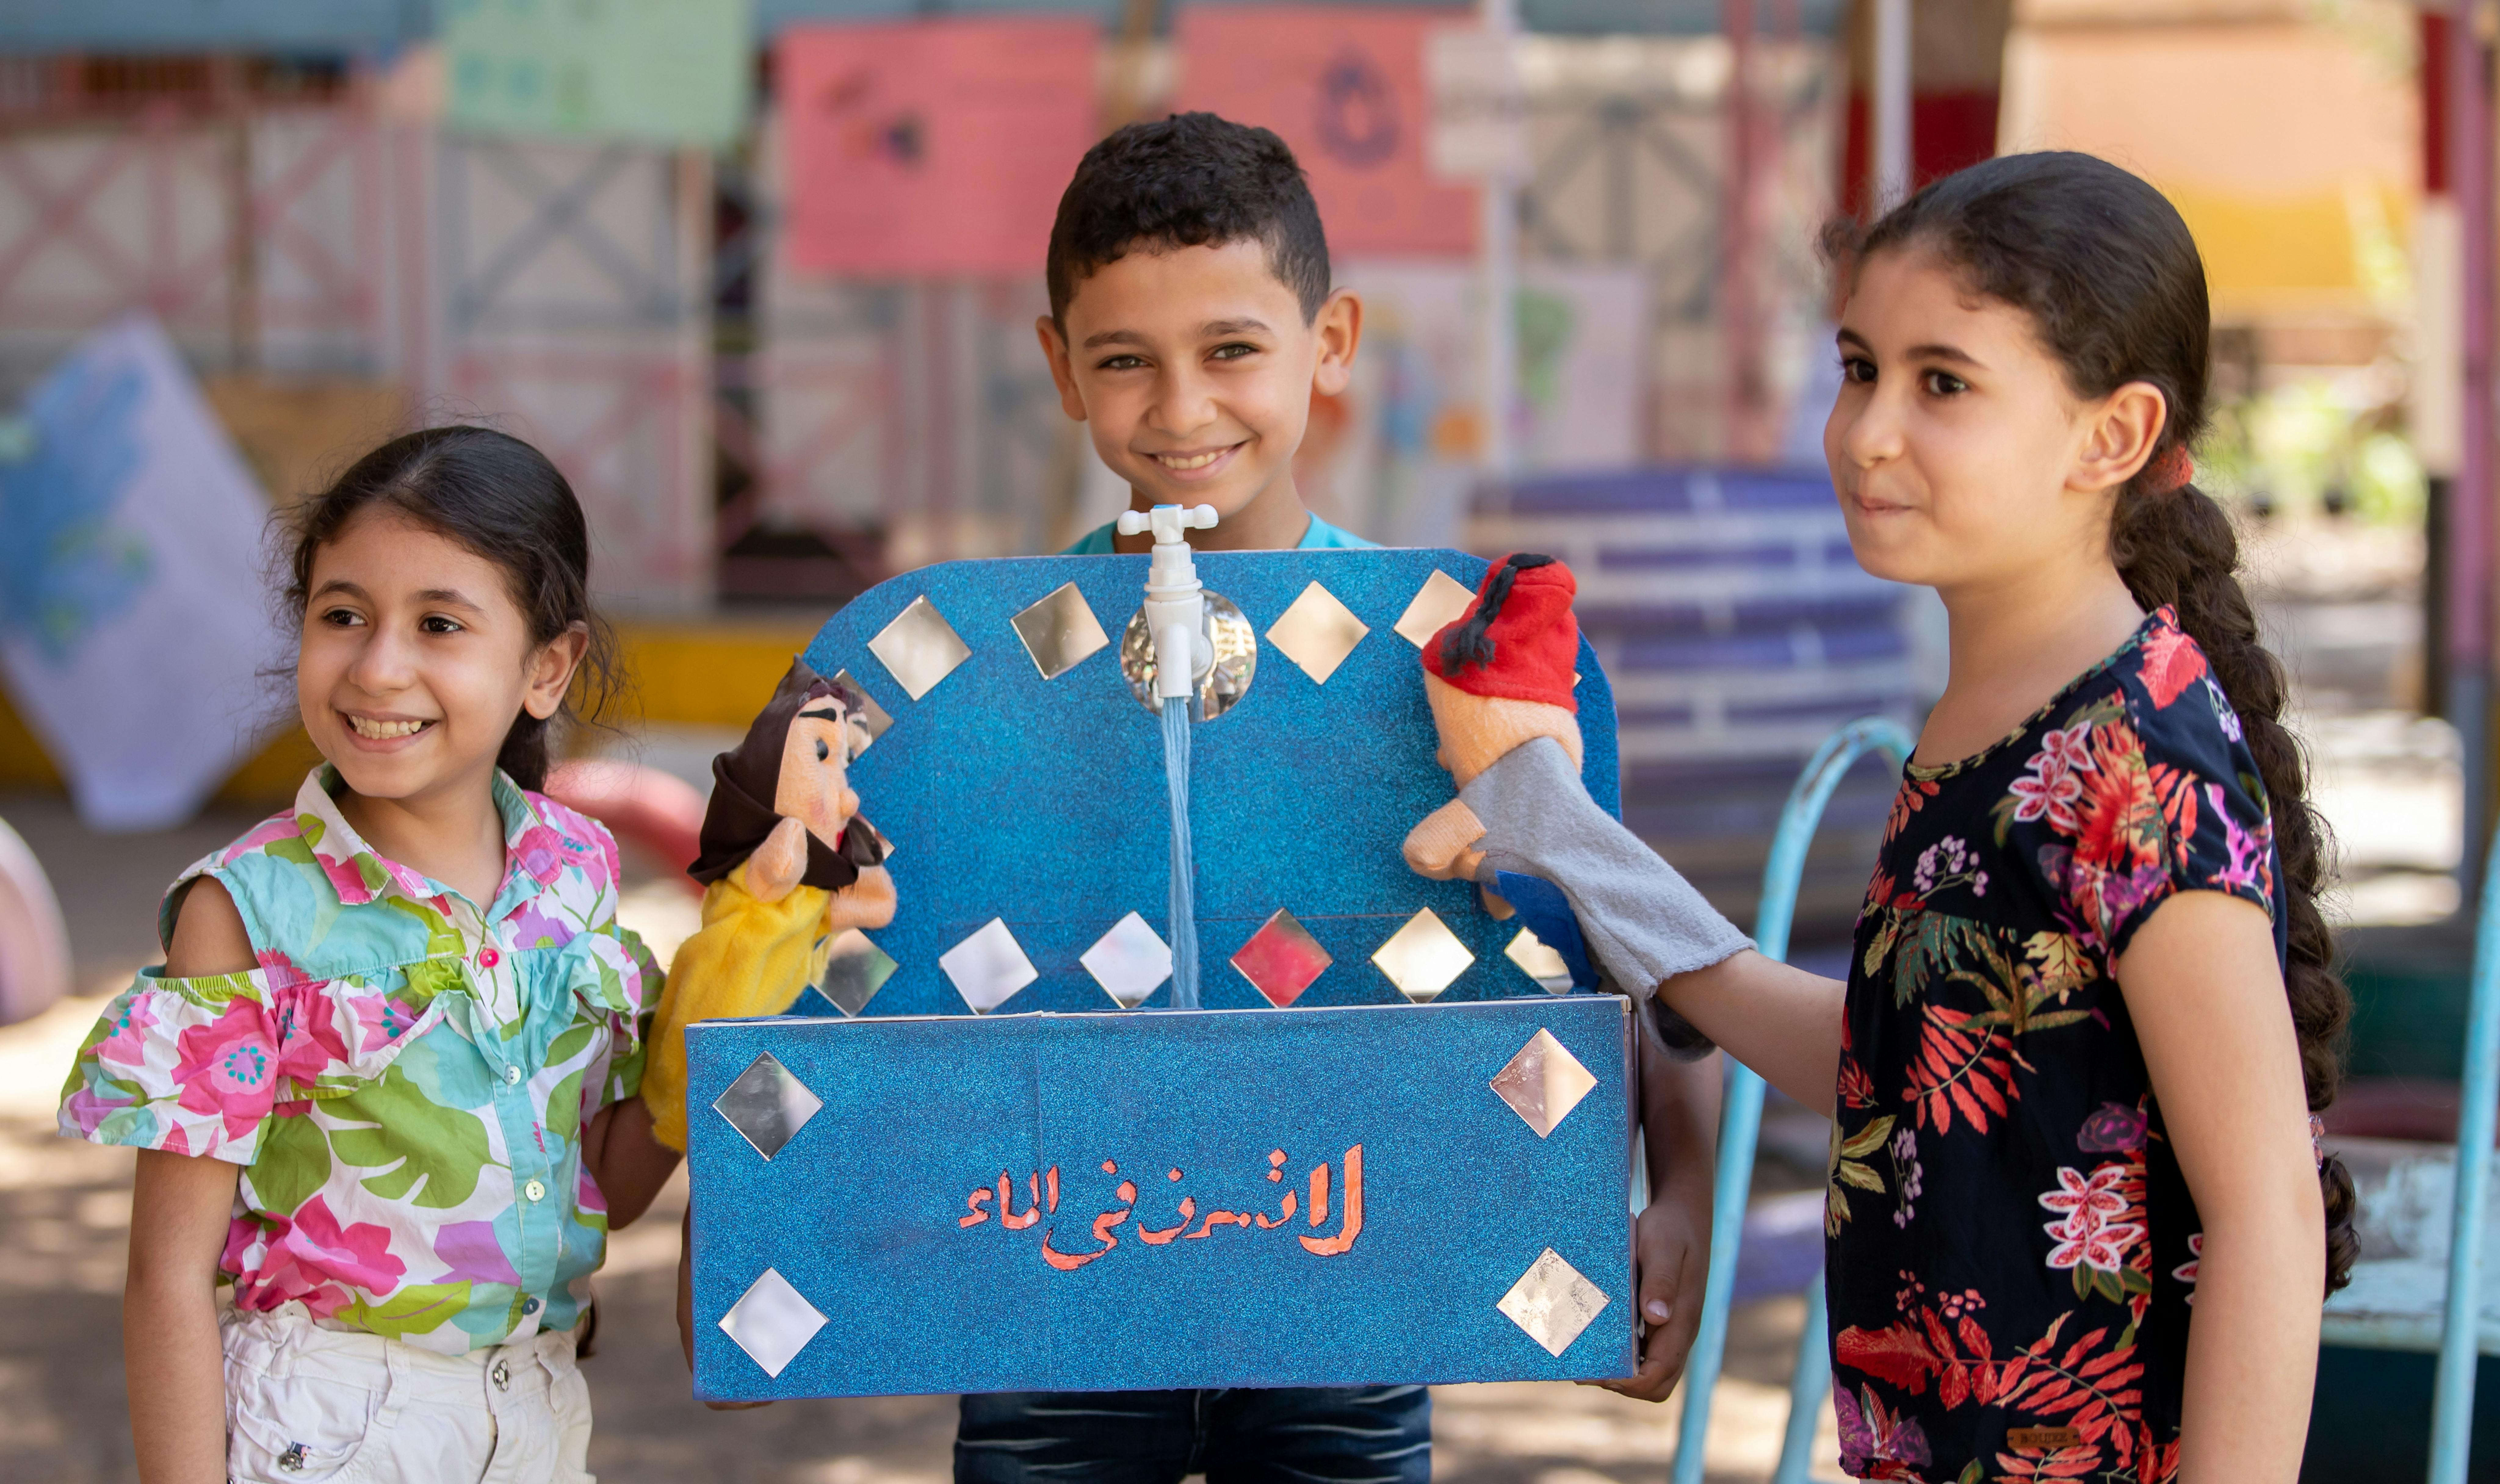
[
  {"x": 134, "y": 624},
  {"x": 1479, "y": 104}
]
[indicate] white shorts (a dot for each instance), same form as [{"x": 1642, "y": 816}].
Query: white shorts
[{"x": 305, "y": 1404}]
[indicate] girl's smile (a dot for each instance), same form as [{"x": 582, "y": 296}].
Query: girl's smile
[
  {"x": 379, "y": 732},
  {"x": 415, "y": 661}
]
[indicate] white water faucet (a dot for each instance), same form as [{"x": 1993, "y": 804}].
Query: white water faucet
[{"x": 1175, "y": 603}]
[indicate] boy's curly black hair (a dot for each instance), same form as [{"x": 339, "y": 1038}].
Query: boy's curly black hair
[{"x": 1190, "y": 181}]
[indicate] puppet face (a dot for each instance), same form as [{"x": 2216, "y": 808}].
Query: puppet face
[
  {"x": 814, "y": 786},
  {"x": 1476, "y": 730}
]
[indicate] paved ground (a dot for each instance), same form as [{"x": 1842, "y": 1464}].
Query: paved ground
[{"x": 65, "y": 1216}]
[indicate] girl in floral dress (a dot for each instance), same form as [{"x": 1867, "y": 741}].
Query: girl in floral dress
[
  {"x": 2089, "y": 1009},
  {"x": 384, "y": 1086}
]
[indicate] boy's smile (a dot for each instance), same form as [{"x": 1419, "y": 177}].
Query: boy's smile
[{"x": 1194, "y": 369}]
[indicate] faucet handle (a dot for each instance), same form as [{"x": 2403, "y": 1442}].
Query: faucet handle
[{"x": 1168, "y": 521}]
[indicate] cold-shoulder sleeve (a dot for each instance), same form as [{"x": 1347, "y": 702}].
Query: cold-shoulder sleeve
[
  {"x": 2204, "y": 816},
  {"x": 631, "y": 1038},
  {"x": 201, "y": 1066}
]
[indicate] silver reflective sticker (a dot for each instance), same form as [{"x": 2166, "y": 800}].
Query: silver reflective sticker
[
  {"x": 768, "y": 1105},
  {"x": 919, "y": 648},
  {"x": 1552, "y": 1303},
  {"x": 1422, "y": 957},
  {"x": 771, "y": 1322},
  {"x": 1543, "y": 1082},
  {"x": 1060, "y": 632},
  {"x": 988, "y": 967},
  {"x": 1130, "y": 962}
]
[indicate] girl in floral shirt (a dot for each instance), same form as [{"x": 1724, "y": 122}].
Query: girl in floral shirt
[
  {"x": 2078, "y": 1225},
  {"x": 386, "y": 1086}
]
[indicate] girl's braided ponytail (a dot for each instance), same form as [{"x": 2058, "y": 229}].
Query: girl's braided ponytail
[{"x": 2177, "y": 547}]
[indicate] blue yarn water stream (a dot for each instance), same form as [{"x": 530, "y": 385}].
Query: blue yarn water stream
[{"x": 1184, "y": 868}]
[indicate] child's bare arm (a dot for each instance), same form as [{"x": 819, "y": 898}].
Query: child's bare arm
[
  {"x": 171, "y": 1354},
  {"x": 2204, "y": 989},
  {"x": 627, "y": 1159},
  {"x": 1782, "y": 1022},
  {"x": 180, "y": 1210}
]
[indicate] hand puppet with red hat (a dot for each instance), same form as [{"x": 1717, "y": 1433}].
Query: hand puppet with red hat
[{"x": 1499, "y": 682}]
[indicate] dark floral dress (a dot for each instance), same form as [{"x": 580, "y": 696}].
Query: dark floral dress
[{"x": 2012, "y": 1250}]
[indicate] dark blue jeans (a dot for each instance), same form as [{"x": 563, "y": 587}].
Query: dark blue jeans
[{"x": 1355, "y": 1434}]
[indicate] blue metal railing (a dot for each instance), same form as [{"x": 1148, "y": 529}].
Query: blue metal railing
[
  {"x": 1741, "y": 1125},
  {"x": 2451, "y": 1418}
]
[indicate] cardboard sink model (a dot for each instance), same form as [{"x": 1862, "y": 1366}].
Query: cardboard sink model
[{"x": 1393, "y": 1147}]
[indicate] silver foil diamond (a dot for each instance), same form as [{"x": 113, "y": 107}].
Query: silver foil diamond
[
  {"x": 855, "y": 970},
  {"x": 768, "y": 1105},
  {"x": 1539, "y": 962},
  {"x": 1317, "y": 633},
  {"x": 1130, "y": 962},
  {"x": 1552, "y": 1303},
  {"x": 873, "y": 721},
  {"x": 1060, "y": 632},
  {"x": 919, "y": 648},
  {"x": 1543, "y": 1082},
  {"x": 1437, "y": 603},
  {"x": 988, "y": 967},
  {"x": 771, "y": 1322},
  {"x": 1422, "y": 957}
]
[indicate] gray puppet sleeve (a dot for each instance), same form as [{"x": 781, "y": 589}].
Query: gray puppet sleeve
[{"x": 1643, "y": 922}]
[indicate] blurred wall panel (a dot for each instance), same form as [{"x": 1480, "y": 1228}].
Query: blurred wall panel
[
  {"x": 1631, "y": 146},
  {"x": 307, "y": 252},
  {"x": 212, "y": 25},
  {"x": 571, "y": 281}
]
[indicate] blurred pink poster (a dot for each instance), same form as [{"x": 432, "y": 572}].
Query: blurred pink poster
[
  {"x": 936, "y": 147},
  {"x": 1345, "y": 88}
]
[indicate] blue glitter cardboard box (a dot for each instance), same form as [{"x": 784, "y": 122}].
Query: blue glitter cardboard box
[
  {"x": 985, "y": 1174},
  {"x": 1217, "y": 1198}
]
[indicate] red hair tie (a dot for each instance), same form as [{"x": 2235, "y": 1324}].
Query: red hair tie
[{"x": 2170, "y": 472}]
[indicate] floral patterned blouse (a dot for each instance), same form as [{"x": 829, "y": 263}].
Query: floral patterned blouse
[
  {"x": 2012, "y": 1250},
  {"x": 404, "y": 1079}
]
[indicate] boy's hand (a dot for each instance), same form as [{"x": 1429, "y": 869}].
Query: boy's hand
[
  {"x": 686, "y": 1309},
  {"x": 1672, "y": 1262}
]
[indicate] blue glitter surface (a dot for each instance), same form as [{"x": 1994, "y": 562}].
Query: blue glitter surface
[
  {"x": 861, "y": 1210},
  {"x": 1041, "y": 802}
]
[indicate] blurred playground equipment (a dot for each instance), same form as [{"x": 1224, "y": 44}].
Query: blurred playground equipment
[{"x": 34, "y": 945}]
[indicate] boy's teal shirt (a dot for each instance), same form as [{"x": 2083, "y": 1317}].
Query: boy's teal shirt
[{"x": 1321, "y": 536}]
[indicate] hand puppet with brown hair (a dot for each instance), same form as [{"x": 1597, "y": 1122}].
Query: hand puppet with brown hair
[
  {"x": 788, "y": 864},
  {"x": 1499, "y": 681}
]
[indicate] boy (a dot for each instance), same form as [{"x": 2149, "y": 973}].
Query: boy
[
  {"x": 1191, "y": 320},
  {"x": 1190, "y": 323}
]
